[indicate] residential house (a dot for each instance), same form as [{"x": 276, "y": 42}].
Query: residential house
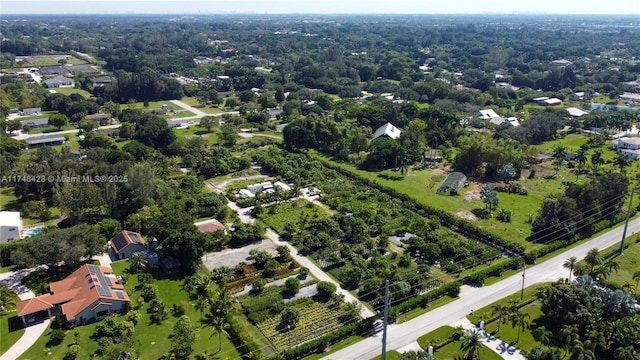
[
  {"x": 547, "y": 101},
  {"x": 225, "y": 94},
  {"x": 126, "y": 244},
  {"x": 575, "y": 112},
  {"x": 98, "y": 117},
  {"x": 387, "y": 130},
  {"x": 102, "y": 81},
  {"x": 10, "y": 226},
  {"x": 487, "y": 114},
  {"x": 245, "y": 194},
  {"x": 89, "y": 294},
  {"x": 630, "y": 98},
  {"x": 578, "y": 96},
  {"x": 628, "y": 146},
  {"x": 35, "y": 123},
  {"x": 506, "y": 86},
  {"x": 40, "y": 141},
  {"x": 500, "y": 121},
  {"x": 282, "y": 186},
  {"x": 31, "y": 111},
  {"x": 210, "y": 226},
  {"x": 274, "y": 113},
  {"x": 59, "y": 81},
  {"x": 561, "y": 63}
]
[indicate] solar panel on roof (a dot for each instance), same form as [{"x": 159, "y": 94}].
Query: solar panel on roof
[
  {"x": 119, "y": 241},
  {"x": 135, "y": 238},
  {"x": 120, "y": 294}
]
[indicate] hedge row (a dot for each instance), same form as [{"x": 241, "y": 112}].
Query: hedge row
[
  {"x": 452, "y": 289},
  {"x": 479, "y": 276},
  {"x": 243, "y": 342},
  {"x": 453, "y": 222}
]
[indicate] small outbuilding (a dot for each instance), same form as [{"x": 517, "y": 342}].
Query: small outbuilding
[{"x": 453, "y": 183}]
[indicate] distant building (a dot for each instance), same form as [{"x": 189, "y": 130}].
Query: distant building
[
  {"x": 98, "y": 117},
  {"x": 387, "y": 130},
  {"x": 510, "y": 121},
  {"x": 628, "y": 146},
  {"x": 561, "y": 63},
  {"x": 40, "y": 141},
  {"x": 102, "y": 81},
  {"x": 31, "y": 111},
  {"x": 10, "y": 226},
  {"x": 630, "y": 98},
  {"x": 575, "y": 112},
  {"x": 487, "y": 114},
  {"x": 35, "y": 123},
  {"x": 209, "y": 226},
  {"x": 59, "y": 81}
]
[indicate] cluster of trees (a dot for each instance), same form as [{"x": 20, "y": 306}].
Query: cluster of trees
[
  {"x": 144, "y": 84},
  {"x": 580, "y": 208},
  {"x": 480, "y": 155},
  {"x": 587, "y": 321}
]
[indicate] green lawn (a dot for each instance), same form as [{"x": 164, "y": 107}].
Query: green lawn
[
  {"x": 629, "y": 261},
  {"x": 276, "y": 216},
  {"x": 183, "y": 114},
  {"x": 69, "y": 91},
  {"x": 153, "y": 340},
  {"x": 192, "y": 101},
  {"x": 50, "y": 60},
  {"x": 422, "y": 185},
  {"x": 51, "y": 129},
  {"x": 10, "y": 326},
  {"x": 437, "y": 336},
  {"x": 412, "y": 314},
  {"x": 339, "y": 346},
  {"x": 152, "y": 105}
]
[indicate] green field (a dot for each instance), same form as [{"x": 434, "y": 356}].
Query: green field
[
  {"x": 152, "y": 340},
  {"x": 152, "y": 105},
  {"x": 69, "y": 91},
  {"x": 192, "y": 101},
  {"x": 629, "y": 262},
  {"x": 276, "y": 216},
  {"x": 50, "y": 60},
  {"x": 51, "y": 129}
]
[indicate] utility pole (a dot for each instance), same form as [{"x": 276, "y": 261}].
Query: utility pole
[
  {"x": 386, "y": 319},
  {"x": 626, "y": 223},
  {"x": 524, "y": 267}
]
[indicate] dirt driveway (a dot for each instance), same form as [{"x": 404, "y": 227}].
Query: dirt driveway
[{"x": 232, "y": 257}]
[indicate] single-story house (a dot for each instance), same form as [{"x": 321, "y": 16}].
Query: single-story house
[
  {"x": 209, "y": 226},
  {"x": 546, "y": 101},
  {"x": 10, "y": 226},
  {"x": 225, "y": 94},
  {"x": 282, "y": 186},
  {"x": 510, "y": 121},
  {"x": 245, "y": 194},
  {"x": 628, "y": 146},
  {"x": 561, "y": 63},
  {"x": 31, "y": 111},
  {"x": 102, "y": 81},
  {"x": 575, "y": 112},
  {"x": 630, "y": 98},
  {"x": 387, "y": 130},
  {"x": 35, "y": 123},
  {"x": 126, "y": 244},
  {"x": 59, "y": 81},
  {"x": 54, "y": 70},
  {"x": 506, "y": 86},
  {"x": 89, "y": 294},
  {"x": 578, "y": 96},
  {"x": 45, "y": 141},
  {"x": 487, "y": 114},
  {"x": 274, "y": 113}
]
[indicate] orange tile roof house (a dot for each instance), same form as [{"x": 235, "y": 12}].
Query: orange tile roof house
[
  {"x": 87, "y": 295},
  {"x": 126, "y": 244}
]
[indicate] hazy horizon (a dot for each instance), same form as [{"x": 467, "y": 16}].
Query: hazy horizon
[{"x": 329, "y": 7}]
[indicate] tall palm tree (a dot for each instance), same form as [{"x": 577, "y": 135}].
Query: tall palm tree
[
  {"x": 596, "y": 160},
  {"x": 581, "y": 351},
  {"x": 471, "y": 344},
  {"x": 593, "y": 257},
  {"x": 570, "y": 264},
  {"x": 597, "y": 339},
  {"x": 202, "y": 302},
  {"x": 622, "y": 162},
  {"x": 540, "y": 353},
  {"x": 138, "y": 262},
  {"x": 611, "y": 265},
  {"x": 542, "y": 335},
  {"x": 559, "y": 155},
  {"x": 581, "y": 159},
  {"x": 502, "y": 311},
  {"x": 519, "y": 319}
]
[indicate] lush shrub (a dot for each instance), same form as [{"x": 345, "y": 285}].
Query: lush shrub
[
  {"x": 452, "y": 289},
  {"x": 479, "y": 276}
]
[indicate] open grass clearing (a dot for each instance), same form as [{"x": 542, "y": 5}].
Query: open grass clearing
[
  {"x": 51, "y": 130},
  {"x": 69, "y": 91},
  {"x": 151, "y": 105},
  {"x": 412, "y": 314},
  {"x": 276, "y": 216},
  {"x": 49, "y": 60}
]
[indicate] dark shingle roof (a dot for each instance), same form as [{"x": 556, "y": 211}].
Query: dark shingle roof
[{"x": 126, "y": 238}]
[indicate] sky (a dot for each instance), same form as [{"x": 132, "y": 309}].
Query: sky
[{"x": 627, "y": 7}]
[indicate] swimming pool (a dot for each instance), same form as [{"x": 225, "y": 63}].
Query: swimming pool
[{"x": 34, "y": 232}]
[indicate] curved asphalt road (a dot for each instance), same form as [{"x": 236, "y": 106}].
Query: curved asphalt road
[{"x": 475, "y": 298}]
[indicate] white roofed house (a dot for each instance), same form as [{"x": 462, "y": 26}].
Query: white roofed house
[
  {"x": 59, "y": 81},
  {"x": 10, "y": 226},
  {"x": 628, "y": 146},
  {"x": 487, "y": 114},
  {"x": 387, "y": 130},
  {"x": 500, "y": 121},
  {"x": 575, "y": 112}
]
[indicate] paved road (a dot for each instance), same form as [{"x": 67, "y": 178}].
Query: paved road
[{"x": 475, "y": 298}]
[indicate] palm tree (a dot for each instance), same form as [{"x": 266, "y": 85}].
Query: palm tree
[
  {"x": 542, "y": 335},
  {"x": 201, "y": 304},
  {"x": 570, "y": 264},
  {"x": 596, "y": 160},
  {"x": 217, "y": 322},
  {"x": 519, "y": 319},
  {"x": 569, "y": 335},
  {"x": 559, "y": 155},
  {"x": 138, "y": 262},
  {"x": 636, "y": 278},
  {"x": 502, "y": 311},
  {"x": 540, "y": 353},
  {"x": 622, "y": 162},
  {"x": 625, "y": 353},
  {"x": 581, "y": 159},
  {"x": 471, "y": 344},
  {"x": 6, "y": 298},
  {"x": 593, "y": 258},
  {"x": 611, "y": 265},
  {"x": 581, "y": 351},
  {"x": 597, "y": 339}
]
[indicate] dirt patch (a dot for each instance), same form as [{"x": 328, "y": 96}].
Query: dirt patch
[
  {"x": 473, "y": 193},
  {"x": 465, "y": 214},
  {"x": 232, "y": 257}
]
